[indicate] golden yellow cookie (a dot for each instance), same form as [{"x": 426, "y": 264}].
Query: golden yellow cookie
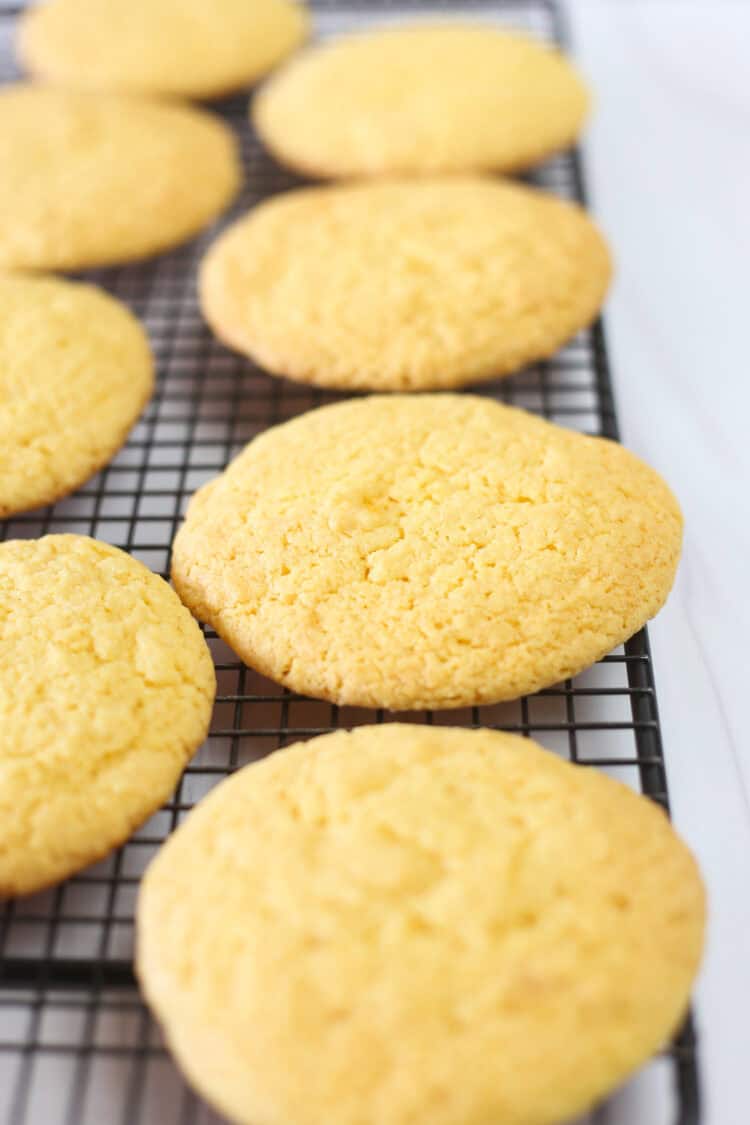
[
  {"x": 413, "y": 551},
  {"x": 90, "y": 180},
  {"x": 187, "y": 48},
  {"x": 106, "y": 689},
  {"x": 407, "y": 284},
  {"x": 450, "y": 97},
  {"x": 75, "y": 373},
  {"x": 405, "y": 924}
]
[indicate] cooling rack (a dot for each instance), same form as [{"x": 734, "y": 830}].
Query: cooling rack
[{"x": 76, "y": 1045}]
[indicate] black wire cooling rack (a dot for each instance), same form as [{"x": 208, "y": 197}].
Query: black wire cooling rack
[{"x": 76, "y": 1045}]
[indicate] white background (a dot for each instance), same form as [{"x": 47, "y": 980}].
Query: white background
[{"x": 668, "y": 162}]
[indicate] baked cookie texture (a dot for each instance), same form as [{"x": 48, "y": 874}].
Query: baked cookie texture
[
  {"x": 75, "y": 372},
  {"x": 403, "y": 924},
  {"x": 427, "y": 551},
  {"x": 405, "y": 285},
  {"x": 106, "y": 691},
  {"x": 425, "y": 98},
  {"x": 98, "y": 179},
  {"x": 183, "y": 48}
]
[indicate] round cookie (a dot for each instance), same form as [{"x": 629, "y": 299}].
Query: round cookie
[
  {"x": 106, "y": 690},
  {"x": 405, "y": 285},
  {"x": 184, "y": 48},
  {"x": 449, "y": 97},
  {"x": 396, "y": 924},
  {"x": 427, "y": 551},
  {"x": 75, "y": 373},
  {"x": 93, "y": 180}
]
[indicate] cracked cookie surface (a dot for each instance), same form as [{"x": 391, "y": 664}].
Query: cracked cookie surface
[
  {"x": 415, "y": 551},
  {"x": 99, "y": 179},
  {"x": 106, "y": 691},
  {"x": 429, "y": 98},
  {"x": 402, "y": 924},
  {"x": 405, "y": 285},
  {"x": 75, "y": 373}
]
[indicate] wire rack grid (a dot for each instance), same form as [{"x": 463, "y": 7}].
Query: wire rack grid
[{"x": 76, "y": 1045}]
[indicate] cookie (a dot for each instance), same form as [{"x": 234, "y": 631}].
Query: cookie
[
  {"x": 93, "y": 180},
  {"x": 408, "y": 285},
  {"x": 75, "y": 373},
  {"x": 427, "y": 551},
  {"x": 106, "y": 690},
  {"x": 407, "y": 924},
  {"x": 449, "y": 97},
  {"x": 184, "y": 48}
]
